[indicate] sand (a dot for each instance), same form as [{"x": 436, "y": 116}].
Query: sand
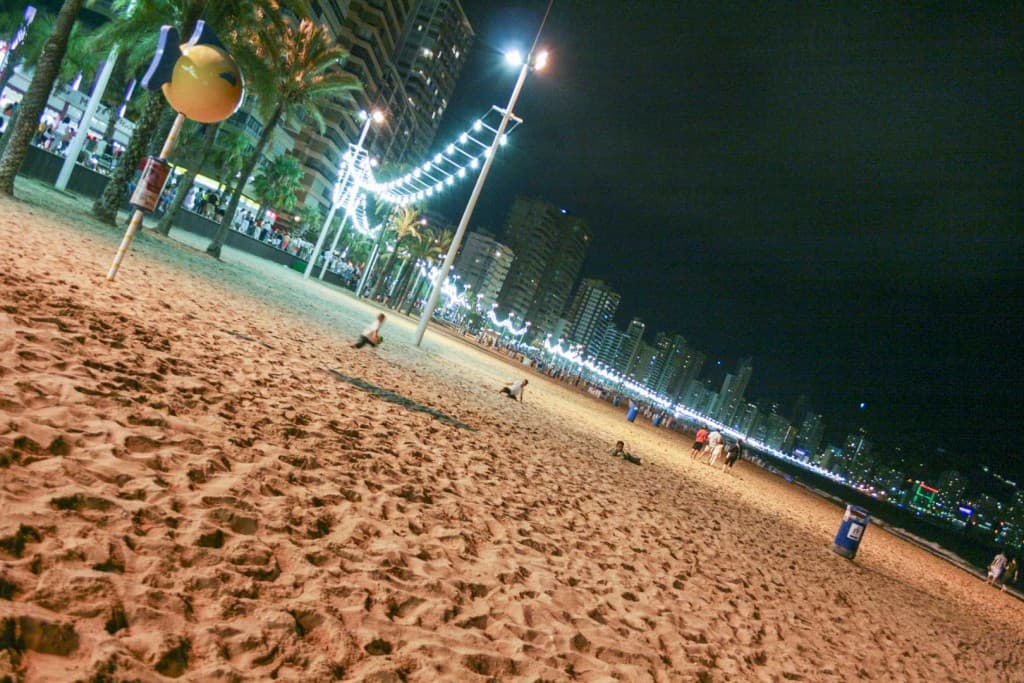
[{"x": 188, "y": 490}]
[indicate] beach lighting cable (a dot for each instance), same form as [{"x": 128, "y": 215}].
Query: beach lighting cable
[
  {"x": 449, "y": 290},
  {"x": 456, "y": 161}
]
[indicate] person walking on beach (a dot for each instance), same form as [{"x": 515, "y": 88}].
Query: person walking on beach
[
  {"x": 1009, "y": 576},
  {"x": 371, "y": 335},
  {"x": 732, "y": 454},
  {"x": 699, "y": 440},
  {"x": 514, "y": 390},
  {"x": 714, "y": 445},
  {"x": 996, "y": 568}
]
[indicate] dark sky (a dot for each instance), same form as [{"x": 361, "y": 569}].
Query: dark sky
[{"x": 832, "y": 188}]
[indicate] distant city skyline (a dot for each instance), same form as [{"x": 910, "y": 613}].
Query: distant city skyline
[{"x": 833, "y": 190}]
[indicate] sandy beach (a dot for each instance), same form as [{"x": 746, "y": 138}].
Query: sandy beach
[{"x": 201, "y": 480}]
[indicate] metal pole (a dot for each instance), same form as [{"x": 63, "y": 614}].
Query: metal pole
[
  {"x": 75, "y": 148},
  {"x": 337, "y": 238},
  {"x": 136, "y": 221},
  {"x": 334, "y": 204},
  {"x": 435, "y": 292}
]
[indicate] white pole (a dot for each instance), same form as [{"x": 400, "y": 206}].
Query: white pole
[
  {"x": 442, "y": 273},
  {"x": 337, "y": 238},
  {"x": 334, "y": 204},
  {"x": 75, "y": 148},
  {"x": 136, "y": 220}
]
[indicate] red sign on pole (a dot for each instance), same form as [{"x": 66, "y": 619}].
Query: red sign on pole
[{"x": 151, "y": 184}]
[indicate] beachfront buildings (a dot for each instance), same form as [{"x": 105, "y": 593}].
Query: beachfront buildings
[
  {"x": 408, "y": 55},
  {"x": 550, "y": 245},
  {"x": 731, "y": 394},
  {"x": 591, "y": 315},
  {"x": 482, "y": 267}
]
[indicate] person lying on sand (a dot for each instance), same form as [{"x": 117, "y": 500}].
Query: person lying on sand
[
  {"x": 514, "y": 389},
  {"x": 619, "y": 451}
]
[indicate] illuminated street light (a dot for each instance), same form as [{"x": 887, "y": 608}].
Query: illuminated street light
[
  {"x": 435, "y": 291},
  {"x": 349, "y": 172}
]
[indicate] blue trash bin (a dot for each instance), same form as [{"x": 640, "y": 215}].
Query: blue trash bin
[
  {"x": 631, "y": 413},
  {"x": 615, "y": 401},
  {"x": 657, "y": 420},
  {"x": 851, "y": 531}
]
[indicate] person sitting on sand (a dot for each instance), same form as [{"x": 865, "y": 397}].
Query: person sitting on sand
[
  {"x": 371, "y": 335},
  {"x": 619, "y": 451},
  {"x": 514, "y": 389}
]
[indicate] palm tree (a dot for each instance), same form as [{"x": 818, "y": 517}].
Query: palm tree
[
  {"x": 292, "y": 69},
  {"x": 228, "y": 155},
  {"x": 277, "y": 184},
  {"x": 426, "y": 248},
  {"x": 404, "y": 222},
  {"x": 196, "y": 154},
  {"x": 138, "y": 22},
  {"x": 311, "y": 216},
  {"x": 38, "y": 92}
]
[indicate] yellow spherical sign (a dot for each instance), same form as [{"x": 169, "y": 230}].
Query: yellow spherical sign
[{"x": 206, "y": 85}]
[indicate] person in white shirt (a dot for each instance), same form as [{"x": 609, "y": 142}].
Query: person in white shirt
[
  {"x": 514, "y": 390},
  {"x": 371, "y": 335},
  {"x": 995, "y": 570},
  {"x": 715, "y": 445}
]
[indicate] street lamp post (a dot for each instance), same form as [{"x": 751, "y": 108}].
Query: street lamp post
[
  {"x": 435, "y": 292},
  {"x": 348, "y": 173}
]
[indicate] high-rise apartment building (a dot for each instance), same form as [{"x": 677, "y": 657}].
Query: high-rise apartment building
[
  {"x": 550, "y": 246},
  {"x": 431, "y": 53},
  {"x": 408, "y": 55},
  {"x": 672, "y": 352},
  {"x": 483, "y": 265},
  {"x": 591, "y": 314},
  {"x": 689, "y": 367},
  {"x": 629, "y": 351},
  {"x": 733, "y": 388},
  {"x": 812, "y": 430}
]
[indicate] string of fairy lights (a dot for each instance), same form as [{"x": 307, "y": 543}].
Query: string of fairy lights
[{"x": 458, "y": 160}]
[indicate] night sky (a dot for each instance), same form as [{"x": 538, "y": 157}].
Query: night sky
[{"x": 835, "y": 190}]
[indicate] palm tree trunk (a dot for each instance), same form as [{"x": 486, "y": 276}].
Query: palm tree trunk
[
  {"x": 217, "y": 243},
  {"x": 404, "y": 283},
  {"x": 156, "y": 142},
  {"x": 415, "y": 296},
  {"x": 32, "y": 104},
  {"x": 107, "y": 204},
  {"x": 167, "y": 220},
  {"x": 382, "y": 276},
  {"x": 110, "y": 132}
]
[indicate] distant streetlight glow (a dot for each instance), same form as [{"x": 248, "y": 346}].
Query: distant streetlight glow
[{"x": 351, "y": 158}]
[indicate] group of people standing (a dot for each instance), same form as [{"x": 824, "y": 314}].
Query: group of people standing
[
  {"x": 712, "y": 446},
  {"x": 1003, "y": 571}
]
